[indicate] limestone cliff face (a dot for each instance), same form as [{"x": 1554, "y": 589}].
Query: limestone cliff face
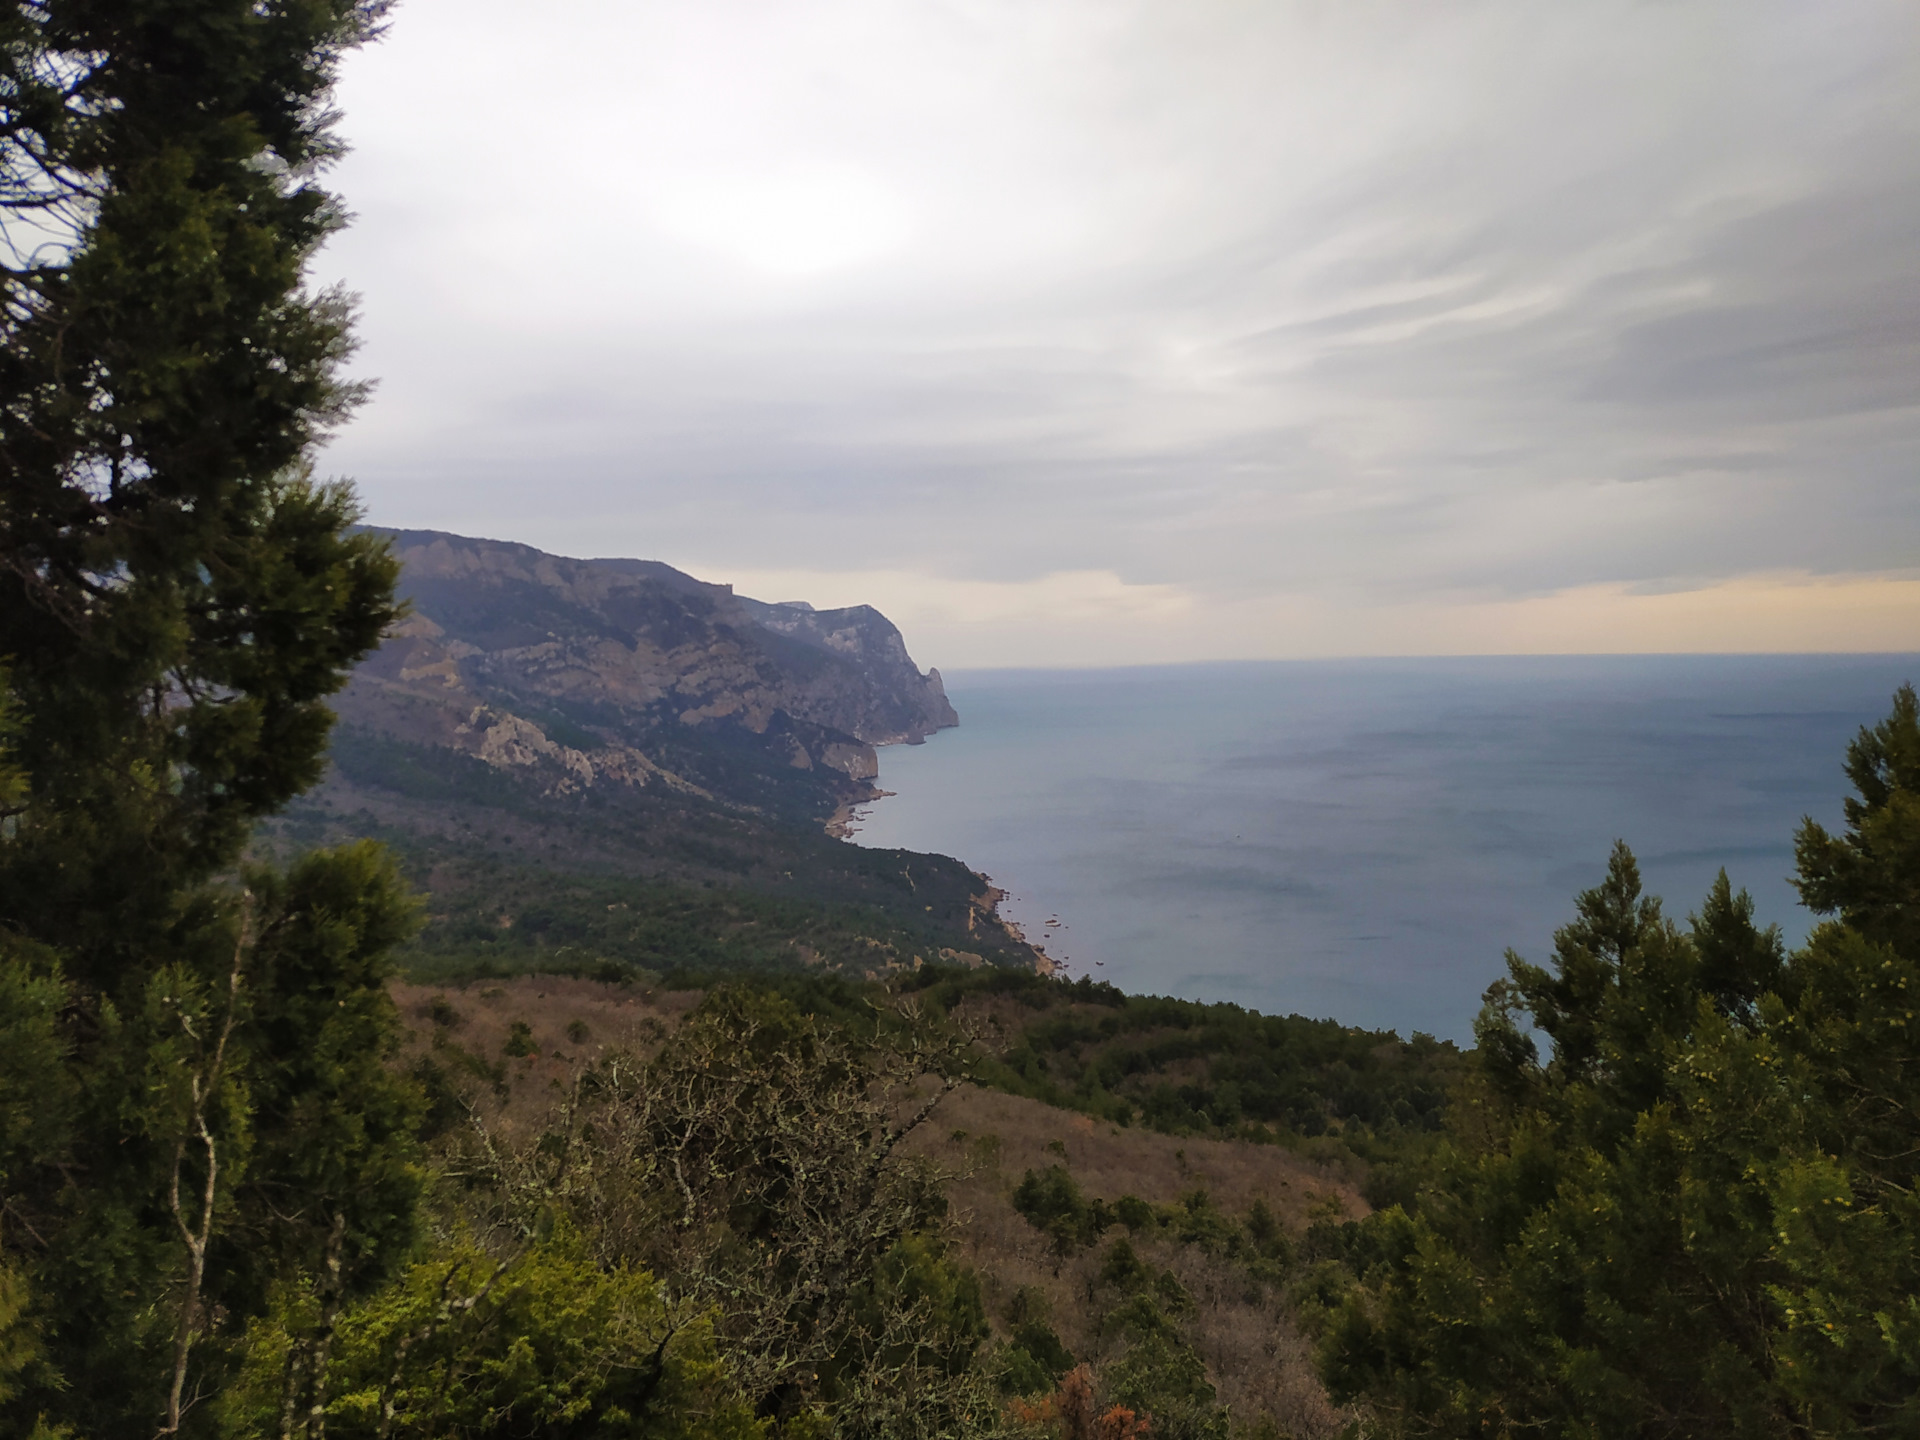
[
  {"x": 869, "y": 686},
  {"x": 591, "y": 674}
]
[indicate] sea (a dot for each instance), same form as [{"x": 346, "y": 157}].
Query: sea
[{"x": 1364, "y": 839}]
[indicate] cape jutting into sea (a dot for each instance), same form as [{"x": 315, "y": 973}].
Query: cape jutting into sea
[{"x": 1363, "y": 839}]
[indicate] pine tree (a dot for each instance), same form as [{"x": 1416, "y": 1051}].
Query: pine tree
[
  {"x": 177, "y": 599},
  {"x": 1697, "y": 1216},
  {"x": 194, "y": 1112}
]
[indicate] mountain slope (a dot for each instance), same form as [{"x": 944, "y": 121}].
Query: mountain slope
[
  {"x": 624, "y": 674},
  {"x": 540, "y": 728}
]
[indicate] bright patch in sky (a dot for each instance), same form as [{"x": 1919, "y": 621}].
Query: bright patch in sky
[{"x": 797, "y": 222}]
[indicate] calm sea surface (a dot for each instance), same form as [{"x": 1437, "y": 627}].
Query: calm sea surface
[{"x": 1363, "y": 838}]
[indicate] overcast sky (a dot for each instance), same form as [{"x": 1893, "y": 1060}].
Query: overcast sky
[{"x": 1085, "y": 331}]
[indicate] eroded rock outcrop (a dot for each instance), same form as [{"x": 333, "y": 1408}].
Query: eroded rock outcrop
[{"x": 588, "y": 674}]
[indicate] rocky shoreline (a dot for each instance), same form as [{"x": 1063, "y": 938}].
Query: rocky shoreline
[{"x": 1043, "y": 963}]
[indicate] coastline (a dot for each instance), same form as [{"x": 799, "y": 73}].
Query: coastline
[
  {"x": 842, "y": 825},
  {"x": 1043, "y": 963},
  {"x": 986, "y": 906}
]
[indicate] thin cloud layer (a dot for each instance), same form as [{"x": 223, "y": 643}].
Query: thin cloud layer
[{"x": 1107, "y": 331}]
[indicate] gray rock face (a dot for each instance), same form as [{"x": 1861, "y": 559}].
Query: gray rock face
[
  {"x": 629, "y": 672},
  {"x": 870, "y": 687}
]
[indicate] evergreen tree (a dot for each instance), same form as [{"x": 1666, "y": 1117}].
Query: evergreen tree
[
  {"x": 193, "y": 1105},
  {"x": 1697, "y": 1216},
  {"x": 176, "y": 599}
]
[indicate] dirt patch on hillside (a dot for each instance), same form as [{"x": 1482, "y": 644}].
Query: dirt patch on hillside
[{"x": 1015, "y": 1135}]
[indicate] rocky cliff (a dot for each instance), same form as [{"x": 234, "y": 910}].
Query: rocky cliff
[
  {"x": 597, "y": 765},
  {"x": 603, "y": 675}
]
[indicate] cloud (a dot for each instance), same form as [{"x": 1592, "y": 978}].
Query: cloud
[{"x": 1307, "y": 315}]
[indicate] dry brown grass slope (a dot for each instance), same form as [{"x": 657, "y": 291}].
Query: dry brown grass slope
[{"x": 1255, "y": 1355}]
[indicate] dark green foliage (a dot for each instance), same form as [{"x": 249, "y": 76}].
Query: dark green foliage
[
  {"x": 176, "y": 599},
  {"x": 495, "y": 920},
  {"x": 1123, "y": 1269},
  {"x": 208, "y": 1113},
  {"x": 664, "y": 885},
  {"x": 1034, "y": 1358},
  {"x": 1695, "y": 1215},
  {"x": 1739, "y": 962},
  {"x": 1052, "y": 1201},
  {"x": 265, "y": 1057},
  {"x": 915, "y": 1277},
  {"x": 1263, "y": 1227},
  {"x": 1022, "y": 1372},
  {"x": 1091, "y": 1048},
  {"x": 1200, "y": 1222},
  {"x": 1133, "y": 1212},
  {"x": 1163, "y": 1376},
  {"x": 1159, "y": 1373},
  {"x": 421, "y": 772},
  {"x": 1870, "y": 877},
  {"x": 545, "y": 1343}
]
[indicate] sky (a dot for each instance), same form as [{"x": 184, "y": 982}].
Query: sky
[{"x": 1093, "y": 332}]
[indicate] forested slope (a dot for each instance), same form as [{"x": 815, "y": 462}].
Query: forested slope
[{"x": 594, "y": 763}]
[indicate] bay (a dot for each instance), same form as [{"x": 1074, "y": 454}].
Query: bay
[{"x": 1362, "y": 839}]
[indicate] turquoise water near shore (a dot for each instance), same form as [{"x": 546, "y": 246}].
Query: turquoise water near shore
[{"x": 1362, "y": 839}]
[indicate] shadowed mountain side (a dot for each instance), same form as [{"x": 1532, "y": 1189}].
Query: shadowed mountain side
[
  {"x": 594, "y": 762},
  {"x": 590, "y": 674}
]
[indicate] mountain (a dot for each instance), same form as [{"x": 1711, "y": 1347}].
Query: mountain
[
  {"x": 598, "y": 674},
  {"x": 539, "y": 729}
]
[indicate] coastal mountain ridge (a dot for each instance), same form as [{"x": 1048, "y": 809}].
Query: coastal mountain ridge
[
  {"x": 592, "y": 763},
  {"x": 585, "y": 674}
]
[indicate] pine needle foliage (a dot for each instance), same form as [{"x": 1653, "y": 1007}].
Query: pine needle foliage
[
  {"x": 1696, "y": 1214},
  {"x": 194, "y": 1105}
]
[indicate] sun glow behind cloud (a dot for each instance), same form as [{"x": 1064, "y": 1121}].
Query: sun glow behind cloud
[{"x": 799, "y": 221}]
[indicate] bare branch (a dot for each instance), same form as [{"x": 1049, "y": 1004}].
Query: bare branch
[{"x": 197, "y": 1234}]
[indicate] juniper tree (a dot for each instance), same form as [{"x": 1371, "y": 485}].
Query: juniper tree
[
  {"x": 193, "y": 1108},
  {"x": 176, "y": 599}
]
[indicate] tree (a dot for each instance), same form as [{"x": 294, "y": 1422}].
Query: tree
[
  {"x": 546, "y": 1342},
  {"x": 1870, "y": 877},
  {"x": 193, "y": 1108},
  {"x": 755, "y": 1164},
  {"x": 1698, "y": 1215},
  {"x": 177, "y": 599}
]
